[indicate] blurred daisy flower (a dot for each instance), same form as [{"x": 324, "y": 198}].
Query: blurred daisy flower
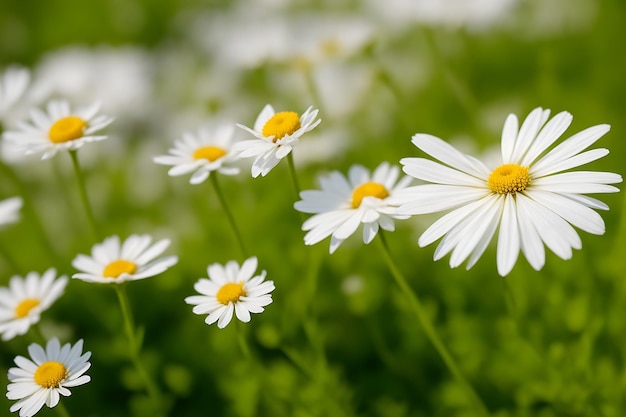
[
  {"x": 47, "y": 375},
  {"x": 10, "y": 210},
  {"x": 276, "y": 134},
  {"x": 23, "y": 301},
  {"x": 531, "y": 197},
  {"x": 113, "y": 262},
  {"x": 344, "y": 203},
  {"x": 231, "y": 289},
  {"x": 13, "y": 83},
  {"x": 58, "y": 128},
  {"x": 209, "y": 150}
]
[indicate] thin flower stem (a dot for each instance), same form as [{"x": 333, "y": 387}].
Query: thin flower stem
[
  {"x": 229, "y": 214},
  {"x": 294, "y": 177},
  {"x": 62, "y": 410},
  {"x": 129, "y": 328},
  {"x": 242, "y": 340},
  {"x": 428, "y": 327},
  {"x": 83, "y": 194}
]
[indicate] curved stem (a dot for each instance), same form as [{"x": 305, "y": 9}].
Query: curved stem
[
  {"x": 134, "y": 346},
  {"x": 62, "y": 410},
  {"x": 294, "y": 177},
  {"x": 229, "y": 214},
  {"x": 428, "y": 327},
  {"x": 82, "y": 190}
]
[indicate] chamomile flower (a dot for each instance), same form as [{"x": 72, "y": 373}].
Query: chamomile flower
[
  {"x": 231, "y": 288},
  {"x": 10, "y": 210},
  {"x": 114, "y": 262},
  {"x": 23, "y": 301},
  {"x": 276, "y": 134},
  {"x": 344, "y": 203},
  {"x": 532, "y": 197},
  {"x": 47, "y": 375},
  {"x": 59, "y": 128},
  {"x": 209, "y": 150}
]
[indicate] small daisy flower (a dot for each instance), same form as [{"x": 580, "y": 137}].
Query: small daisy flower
[
  {"x": 58, "y": 128},
  {"x": 209, "y": 150},
  {"x": 344, "y": 203},
  {"x": 13, "y": 83},
  {"x": 532, "y": 197},
  {"x": 231, "y": 288},
  {"x": 276, "y": 135},
  {"x": 47, "y": 375},
  {"x": 112, "y": 262},
  {"x": 10, "y": 210},
  {"x": 23, "y": 301}
]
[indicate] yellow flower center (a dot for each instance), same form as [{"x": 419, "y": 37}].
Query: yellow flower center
[
  {"x": 117, "y": 268},
  {"x": 25, "y": 306},
  {"x": 369, "y": 189},
  {"x": 281, "y": 124},
  {"x": 230, "y": 292},
  {"x": 509, "y": 179},
  {"x": 66, "y": 129},
  {"x": 210, "y": 153},
  {"x": 50, "y": 374}
]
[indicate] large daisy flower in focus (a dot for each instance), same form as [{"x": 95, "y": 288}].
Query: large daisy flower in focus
[
  {"x": 115, "y": 262},
  {"x": 10, "y": 210},
  {"x": 59, "y": 128},
  {"x": 276, "y": 134},
  {"x": 532, "y": 198},
  {"x": 231, "y": 289},
  {"x": 344, "y": 203},
  {"x": 47, "y": 375},
  {"x": 209, "y": 150},
  {"x": 23, "y": 301}
]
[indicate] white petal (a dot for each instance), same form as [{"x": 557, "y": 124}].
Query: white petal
[{"x": 508, "y": 238}]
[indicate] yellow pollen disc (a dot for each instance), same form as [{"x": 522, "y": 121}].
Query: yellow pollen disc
[
  {"x": 369, "y": 189},
  {"x": 25, "y": 306},
  {"x": 210, "y": 153},
  {"x": 50, "y": 374},
  {"x": 230, "y": 292},
  {"x": 509, "y": 179},
  {"x": 281, "y": 124},
  {"x": 66, "y": 129},
  {"x": 117, "y": 268}
]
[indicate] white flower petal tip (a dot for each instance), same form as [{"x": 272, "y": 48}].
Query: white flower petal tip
[
  {"x": 532, "y": 199},
  {"x": 231, "y": 289}
]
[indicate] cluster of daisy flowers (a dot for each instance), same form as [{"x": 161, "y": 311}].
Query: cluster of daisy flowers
[{"x": 532, "y": 199}]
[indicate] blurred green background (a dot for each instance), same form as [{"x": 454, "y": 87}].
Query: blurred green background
[{"x": 339, "y": 339}]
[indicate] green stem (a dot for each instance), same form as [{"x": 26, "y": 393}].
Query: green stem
[
  {"x": 129, "y": 328},
  {"x": 242, "y": 340},
  {"x": 62, "y": 410},
  {"x": 294, "y": 177},
  {"x": 229, "y": 214},
  {"x": 82, "y": 189},
  {"x": 428, "y": 327}
]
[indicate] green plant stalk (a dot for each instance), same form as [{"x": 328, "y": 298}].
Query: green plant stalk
[
  {"x": 129, "y": 328},
  {"x": 82, "y": 190},
  {"x": 229, "y": 214},
  {"x": 428, "y": 327},
  {"x": 62, "y": 410},
  {"x": 294, "y": 177}
]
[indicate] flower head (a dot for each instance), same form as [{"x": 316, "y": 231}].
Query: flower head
[
  {"x": 229, "y": 289},
  {"x": 47, "y": 375},
  {"x": 10, "y": 210},
  {"x": 58, "y": 128},
  {"x": 209, "y": 150},
  {"x": 344, "y": 203},
  {"x": 112, "y": 262},
  {"x": 22, "y": 303},
  {"x": 532, "y": 197},
  {"x": 276, "y": 134}
]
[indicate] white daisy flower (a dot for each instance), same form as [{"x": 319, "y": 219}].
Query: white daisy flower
[
  {"x": 58, "y": 128},
  {"x": 112, "y": 262},
  {"x": 23, "y": 301},
  {"x": 209, "y": 150},
  {"x": 344, "y": 203},
  {"x": 10, "y": 210},
  {"x": 276, "y": 135},
  {"x": 13, "y": 84},
  {"x": 231, "y": 288},
  {"x": 47, "y": 375},
  {"x": 532, "y": 197}
]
